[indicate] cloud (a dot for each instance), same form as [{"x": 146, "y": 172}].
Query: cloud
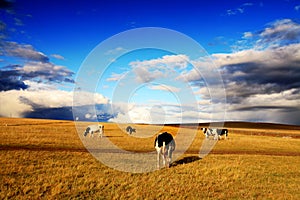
[
  {"x": 10, "y": 80},
  {"x": 261, "y": 80},
  {"x": 115, "y": 51},
  {"x": 248, "y": 35},
  {"x": 277, "y": 33},
  {"x": 297, "y": 8},
  {"x": 15, "y": 76},
  {"x": 238, "y": 10},
  {"x": 165, "y": 88},
  {"x": 175, "y": 61},
  {"x": 57, "y": 56},
  {"x": 159, "y": 114},
  {"x": 115, "y": 77},
  {"x": 271, "y": 70},
  {"x": 23, "y": 51},
  {"x": 280, "y": 32},
  {"x": 149, "y": 70},
  {"x": 144, "y": 75},
  {"x": 262, "y": 84},
  {"x": 277, "y": 107},
  {"x": 50, "y": 103}
]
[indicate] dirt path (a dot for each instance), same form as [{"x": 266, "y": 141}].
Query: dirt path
[{"x": 73, "y": 149}]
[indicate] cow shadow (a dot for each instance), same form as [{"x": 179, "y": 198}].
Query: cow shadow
[
  {"x": 111, "y": 136},
  {"x": 186, "y": 160}
]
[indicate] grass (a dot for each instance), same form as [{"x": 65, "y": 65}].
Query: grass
[{"x": 44, "y": 159}]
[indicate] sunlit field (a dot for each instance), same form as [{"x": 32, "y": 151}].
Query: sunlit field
[{"x": 46, "y": 159}]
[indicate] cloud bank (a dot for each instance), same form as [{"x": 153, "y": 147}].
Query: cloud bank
[
  {"x": 262, "y": 83},
  {"x": 261, "y": 78}
]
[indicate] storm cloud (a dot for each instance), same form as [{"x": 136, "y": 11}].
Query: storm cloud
[
  {"x": 262, "y": 81},
  {"x": 261, "y": 72}
]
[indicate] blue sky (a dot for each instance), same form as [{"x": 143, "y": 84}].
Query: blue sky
[{"x": 253, "y": 44}]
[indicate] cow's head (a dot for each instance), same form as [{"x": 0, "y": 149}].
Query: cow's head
[{"x": 87, "y": 130}]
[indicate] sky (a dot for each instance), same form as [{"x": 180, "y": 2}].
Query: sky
[{"x": 246, "y": 67}]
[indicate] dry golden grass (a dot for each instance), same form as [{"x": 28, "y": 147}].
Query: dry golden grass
[{"x": 45, "y": 159}]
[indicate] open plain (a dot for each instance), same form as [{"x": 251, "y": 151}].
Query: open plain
[{"x": 46, "y": 159}]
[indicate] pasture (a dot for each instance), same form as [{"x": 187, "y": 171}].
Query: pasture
[{"x": 46, "y": 159}]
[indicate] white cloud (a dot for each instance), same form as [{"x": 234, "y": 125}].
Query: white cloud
[
  {"x": 165, "y": 88},
  {"x": 57, "y": 56},
  {"x": 238, "y": 10},
  {"x": 248, "y": 35},
  {"x": 149, "y": 70},
  {"x": 115, "y": 51},
  {"x": 90, "y": 116},
  {"x": 116, "y": 77},
  {"x": 18, "y": 102},
  {"x": 11, "y": 106},
  {"x": 144, "y": 75},
  {"x": 279, "y": 33},
  {"x": 172, "y": 61},
  {"x": 272, "y": 57}
]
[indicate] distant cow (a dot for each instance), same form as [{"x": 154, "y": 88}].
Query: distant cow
[
  {"x": 164, "y": 145},
  {"x": 217, "y": 133},
  {"x": 91, "y": 129},
  {"x": 130, "y": 130}
]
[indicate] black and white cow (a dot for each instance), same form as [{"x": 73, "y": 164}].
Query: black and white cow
[
  {"x": 91, "y": 129},
  {"x": 164, "y": 145},
  {"x": 217, "y": 133},
  {"x": 130, "y": 130}
]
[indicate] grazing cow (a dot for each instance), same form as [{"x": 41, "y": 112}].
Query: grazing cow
[
  {"x": 130, "y": 130},
  {"x": 91, "y": 129},
  {"x": 217, "y": 133},
  {"x": 164, "y": 145}
]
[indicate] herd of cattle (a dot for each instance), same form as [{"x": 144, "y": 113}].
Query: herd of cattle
[{"x": 164, "y": 143}]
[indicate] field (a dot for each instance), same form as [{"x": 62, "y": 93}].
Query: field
[{"x": 46, "y": 159}]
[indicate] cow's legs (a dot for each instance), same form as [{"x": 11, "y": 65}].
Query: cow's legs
[
  {"x": 216, "y": 136},
  {"x": 163, "y": 149},
  {"x": 169, "y": 156},
  {"x": 158, "y": 157},
  {"x": 207, "y": 135}
]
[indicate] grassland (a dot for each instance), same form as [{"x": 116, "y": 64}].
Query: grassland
[{"x": 45, "y": 159}]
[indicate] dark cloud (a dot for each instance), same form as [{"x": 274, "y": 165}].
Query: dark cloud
[
  {"x": 23, "y": 51},
  {"x": 14, "y": 76},
  {"x": 275, "y": 114},
  {"x": 66, "y": 113},
  {"x": 266, "y": 107},
  {"x": 10, "y": 79},
  {"x": 261, "y": 78},
  {"x": 62, "y": 113},
  {"x": 11, "y": 84},
  {"x": 98, "y": 112}
]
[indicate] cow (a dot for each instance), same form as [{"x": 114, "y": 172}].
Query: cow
[
  {"x": 130, "y": 130},
  {"x": 164, "y": 145},
  {"x": 217, "y": 133},
  {"x": 91, "y": 129}
]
